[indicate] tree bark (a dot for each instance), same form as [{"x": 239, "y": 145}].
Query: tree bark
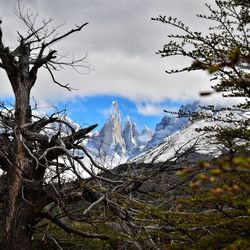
[
  {"x": 19, "y": 232},
  {"x": 19, "y": 212},
  {"x": 24, "y": 197}
]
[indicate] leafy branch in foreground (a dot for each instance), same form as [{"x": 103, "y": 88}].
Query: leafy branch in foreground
[{"x": 216, "y": 211}]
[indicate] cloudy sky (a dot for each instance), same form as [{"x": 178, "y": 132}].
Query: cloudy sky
[{"x": 120, "y": 42}]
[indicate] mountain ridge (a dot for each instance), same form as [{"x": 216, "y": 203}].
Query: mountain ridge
[
  {"x": 113, "y": 140},
  {"x": 127, "y": 142}
]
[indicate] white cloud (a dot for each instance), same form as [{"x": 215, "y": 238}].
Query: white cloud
[
  {"x": 149, "y": 109},
  {"x": 133, "y": 78},
  {"x": 121, "y": 41},
  {"x": 218, "y": 100}
]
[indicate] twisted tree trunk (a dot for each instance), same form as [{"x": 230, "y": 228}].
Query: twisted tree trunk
[
  {"x": 20, "y": 208},
  {"x": 22, "y": 144}
]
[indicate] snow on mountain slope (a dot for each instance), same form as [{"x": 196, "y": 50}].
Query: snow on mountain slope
[
  {"x": 170, "y": 124},
  {"x": 187, "y": 140},
  {"x": 145, "y": 136},
  {"x": 114, "y": 144},
  {"x": 166, "y": 127},
  {"x": 189, "y": 143}
]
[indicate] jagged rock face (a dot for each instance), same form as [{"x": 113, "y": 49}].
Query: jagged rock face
[
  {"x": 109, "y": 139},
  {"x": 135, "y": 131},
  {"x": 145, "y": 136},
  {"x": 191, "y": 107},
  {"x": 169, "y": 125},
  {"x": 115, "y": 122},
  {"x": 190, "y": 145},
  {"x": 130, "y": 135},
  {"x": 166, "y": 127},
  {"x": 141, "y": 141}
]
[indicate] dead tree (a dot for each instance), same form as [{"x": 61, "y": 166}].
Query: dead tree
[
  {"x": 31, "y": 158},
  {"x": 42, "y": 157}
]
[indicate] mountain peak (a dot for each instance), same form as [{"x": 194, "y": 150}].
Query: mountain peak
[
  {"x": 110, "y": 140},
  {"x": 115, "y": 105},
  {"x": 115, "y": 110},
  {"x": 128, "y": 120}
]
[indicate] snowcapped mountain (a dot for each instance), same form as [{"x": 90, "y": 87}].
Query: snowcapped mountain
[
  {"x": 114, "y": 142},
  {"x": 145, "y": 137},
  {"x": 135, "y": 141},
  {"x": 170, "y": 124},
  {"x": 130, "y": 135},
  {"x": 174, "y": 138},
  {"x": 109, "y": 140},
  {"x": 188, "y": 144}
]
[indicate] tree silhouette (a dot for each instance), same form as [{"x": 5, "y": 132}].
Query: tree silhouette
[{"x": 36, "y": 151}]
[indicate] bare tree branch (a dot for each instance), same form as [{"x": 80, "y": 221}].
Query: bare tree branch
[{"x": 68, "y": 229}]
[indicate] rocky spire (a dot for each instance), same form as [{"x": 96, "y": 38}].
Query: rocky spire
[
  {"x": 110, "y": 138},
  {"x": 145, "y": 136},
  {"x": 128, "y": 135}
]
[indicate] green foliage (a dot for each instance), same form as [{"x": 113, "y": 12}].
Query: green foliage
[
  {"x": 212, "y": 211},
  {"x": 223, "y": 51},
  {"x": 53, "y": 233},
  {"x": 215, "y": 212}
]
